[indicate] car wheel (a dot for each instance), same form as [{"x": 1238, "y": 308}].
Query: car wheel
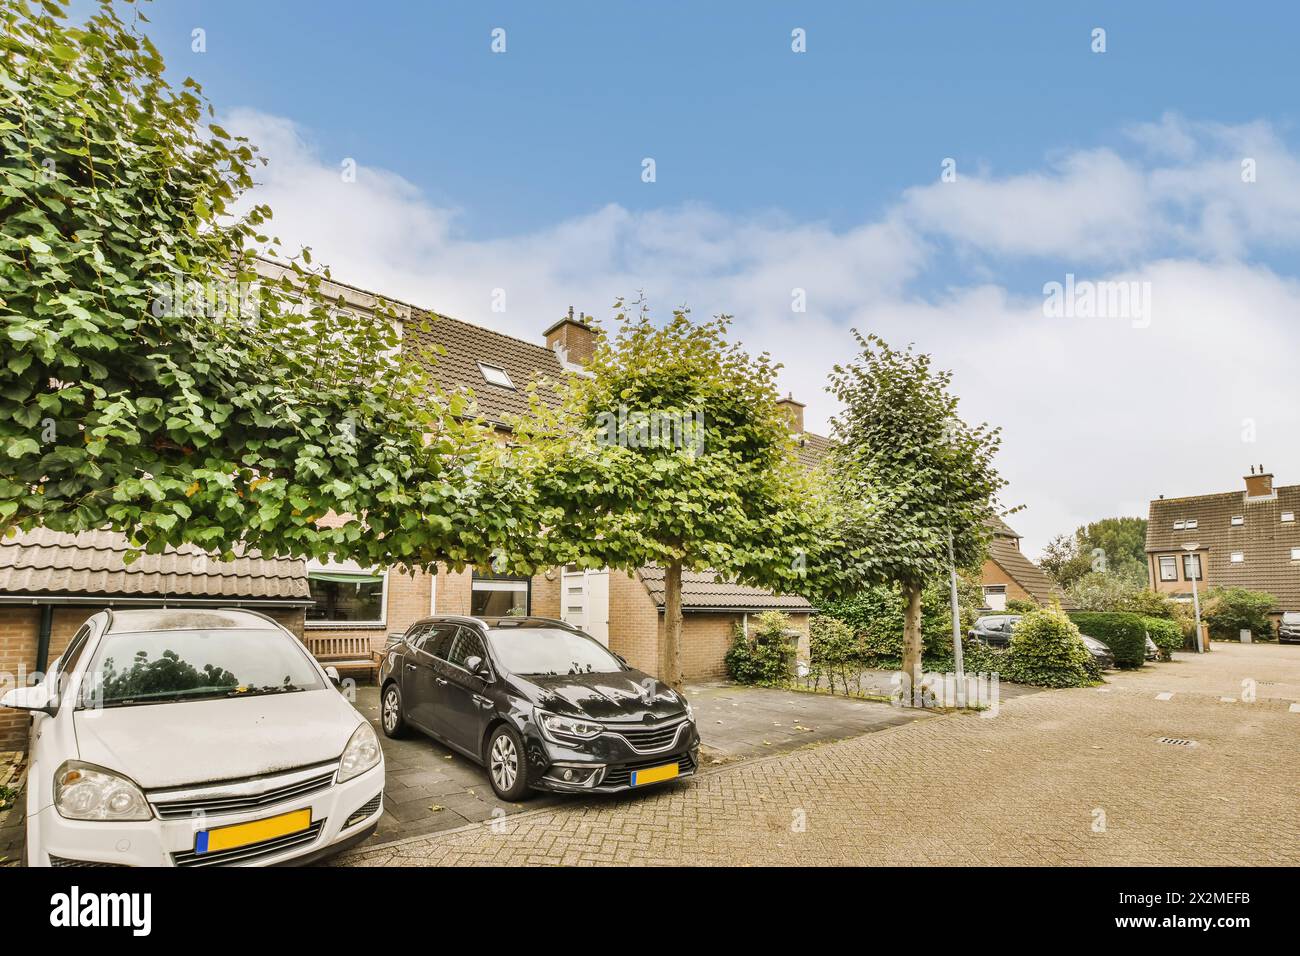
[
  {"x": 391, "y": 716},
  {"x": 507, "y": 765}
]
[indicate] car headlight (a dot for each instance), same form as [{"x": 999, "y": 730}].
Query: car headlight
[
  {"x": 690, "y": 711},
  {"x": 361, "y": 753},
  {"x": 83, "y": 791},
  {"x": 556, "y": 725}
]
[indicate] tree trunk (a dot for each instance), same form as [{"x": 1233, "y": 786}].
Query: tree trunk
[
  {"x": 670, "y": 671},
  {"x": 912, "y": 638}
]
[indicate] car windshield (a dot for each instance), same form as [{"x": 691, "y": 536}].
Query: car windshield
[
  {"x": 156, "y": 667},
  {"x": 550, "y": 651}
]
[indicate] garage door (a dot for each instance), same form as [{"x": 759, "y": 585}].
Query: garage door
[{"x": 585, "y": 602}]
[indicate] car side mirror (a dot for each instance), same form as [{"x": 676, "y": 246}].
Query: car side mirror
[
  {"x": 478, "y": 667},
  {"x": 333, "y": 674},
  {"x": 36, "y": 697}
]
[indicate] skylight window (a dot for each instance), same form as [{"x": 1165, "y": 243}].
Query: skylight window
[
  {"x": 1288, "y": 516},
  {"x": 1179, "y": 525},
  {"x": 1238, "y": 557},
  {"x": 1191, "y": 523},
  {"x": 1295, "y": 554},
  {"x": 495, "y": 375},
  {"x": 1238, "y": 520}
]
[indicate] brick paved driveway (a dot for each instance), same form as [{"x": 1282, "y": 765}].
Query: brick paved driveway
[
  {"x": 430, "y": 789},
  {"x": 1064, "y": 777}
]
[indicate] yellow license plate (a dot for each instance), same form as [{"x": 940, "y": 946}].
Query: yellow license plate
[
  {"x": 654, "y": 774},
  {"x": 242, "y": 834}
]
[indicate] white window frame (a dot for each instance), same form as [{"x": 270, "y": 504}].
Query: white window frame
[
  {"x": 1295, "y": 554},
  {"x": 484, "y": 369},
  {"x": 1288, "y": 516},
  {"x": 999, "y": 590},
  {"x": 1179, "y": 524},
  {"x": 1173, "y": 564},
  {"x": 350, "y": 567},
  {"x": 1190, "y": 523},
  {"x": 433, "y": 591},
  {"x": 1237, "y": 557},
  {"x": 1237, "y": 520}
]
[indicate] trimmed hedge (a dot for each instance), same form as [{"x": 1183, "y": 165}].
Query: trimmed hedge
[
  {"x": 1125, "y": 634},
  {"x": 1166, "y": 634},
  {"x": 1046, "y": 651}
]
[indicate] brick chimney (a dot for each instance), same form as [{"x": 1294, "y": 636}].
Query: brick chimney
[
  {"x": 794, "y": 410},
  {"x": 572, "y": 339},
  {"x": 1259, "y": 485}
]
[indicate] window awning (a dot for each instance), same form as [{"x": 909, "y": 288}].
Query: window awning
[{"x": 341, "y": 577}]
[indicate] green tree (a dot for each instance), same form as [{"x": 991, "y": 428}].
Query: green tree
[
  {"x": 1114, "y": 546},
  {"x": 152, "y": 382},
  {"x": 672, "y": 451},
  {"x": 906, "y": 477}
]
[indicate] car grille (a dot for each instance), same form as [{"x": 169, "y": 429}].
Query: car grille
[
  {"x": 64, "y": 861},
  {"x": 365, "y": 811},
  {"x": 648, "y": 739},
  {"x": 621, "y": 775},
  {"x": 212, "y": 806},
  {"x": 251, "y": 853}
]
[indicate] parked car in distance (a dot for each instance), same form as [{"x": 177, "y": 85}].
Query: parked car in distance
[
  {"x": 996, "y": 629},
  {"x": 537, "y": 702},
  {"x": 194, "y": 737},
  {"x": 1288, "y": 631}
]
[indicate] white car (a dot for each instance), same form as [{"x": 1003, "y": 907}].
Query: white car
[{"x": 194, "y": 738}]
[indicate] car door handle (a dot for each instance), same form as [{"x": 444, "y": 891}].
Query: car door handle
[
  {"x": 410, "y": 667},
  {"x": 440, "y": 681}
]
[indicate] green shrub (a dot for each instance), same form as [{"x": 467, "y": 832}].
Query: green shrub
[
  {"x": 1046, "y": 651},
  {"x": 1125, "y": 634},
  {"x": 1229, "y": 611},
  {"x": 766, "y": 657},
  {"x": 835, "y": 654},
  {"x": 1166, "y": 634},
  {"x": 1021, "y": 606},
  {"x": 875, "y": 616}
]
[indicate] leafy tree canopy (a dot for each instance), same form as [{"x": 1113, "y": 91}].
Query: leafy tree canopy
[
  {"x": 905, "y": 472},
  {"x": 1114, "y": 546},
  {"x": 153, "y": 380}
]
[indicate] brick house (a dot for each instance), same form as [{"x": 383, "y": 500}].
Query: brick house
[
  {"x": 51, "y": 582},
  {"x": 625, "y": 611},
  {"x": 1008, "y": 575},
  {"x": 1247, "y": 538}
]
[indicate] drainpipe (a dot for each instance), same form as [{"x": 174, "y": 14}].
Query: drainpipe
[{"x": 43, "y": 637}]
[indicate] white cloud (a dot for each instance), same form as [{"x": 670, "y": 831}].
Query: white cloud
[{"x": 1098, "y": 416}]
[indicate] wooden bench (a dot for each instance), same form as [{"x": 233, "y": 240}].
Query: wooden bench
[{"x": 350, "y": 652}]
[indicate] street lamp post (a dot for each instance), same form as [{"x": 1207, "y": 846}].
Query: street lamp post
[
  {"x": 958, "y": 663},
  {"x": 1192, "y": 547}
]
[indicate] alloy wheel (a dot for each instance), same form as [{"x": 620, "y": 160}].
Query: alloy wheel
[
  {"x": 505, "y": 762},
  {"x": 390, "y": 710}
]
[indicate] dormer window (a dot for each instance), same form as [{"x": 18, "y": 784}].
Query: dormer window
[
  {"x": 1288, "y": 516},
  {"x": 495, "y": 375},
  {"x": 1238, "y": 520}
]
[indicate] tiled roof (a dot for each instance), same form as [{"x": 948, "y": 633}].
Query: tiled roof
[
  {"x": 702, "y": 591},
  {"x": 1264, "y": 539},
  {"x": 1004, "y": 552},
  {"x": 466, "y": 345},
  {"x": 812, "y": 449},
  {"x": 44, "y": 562}
]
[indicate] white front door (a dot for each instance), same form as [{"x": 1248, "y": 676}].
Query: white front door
[{"x": 584, "y": 602}]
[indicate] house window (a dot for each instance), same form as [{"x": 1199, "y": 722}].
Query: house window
[
  {"x": 1179, "y": 525},
  {"x": 1168, "y": 568},
  {"x": 1237, "y": 557},
  {"x": 1192, "y": 567},
  {"x": 995, "y": 597},
  {"x": 1238, "y": 520},
  {"x": 1295, "y": 554},
  {"x": 495, "y": 375},
  {"x": 344, "y": 593},
  {"x": 1190, "y": 524},
  {"x": 497, "y": 596},
  {"x": 1288, "y": 516}
]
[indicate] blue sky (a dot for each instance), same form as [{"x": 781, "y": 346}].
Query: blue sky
[{"x": 821, "y": 171}]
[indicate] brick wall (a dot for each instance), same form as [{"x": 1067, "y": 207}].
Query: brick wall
[
  {"x": 706, "y": 638},
  {"x": 633, "y": 622},
  {"x": 20, "y": 627}
]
